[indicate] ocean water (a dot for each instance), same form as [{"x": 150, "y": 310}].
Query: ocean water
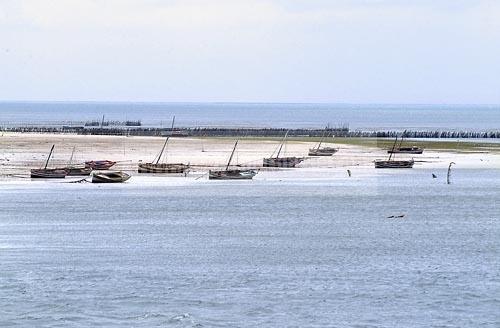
[
  {"x": 363, "y": 117},
  {"x": 289, "y": 249}
]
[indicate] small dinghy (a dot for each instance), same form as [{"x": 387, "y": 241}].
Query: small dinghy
[
  {"x": 100, "y": 165},
  {"x": 46, "y": 173},
  {"x": 110, "y": 177}
]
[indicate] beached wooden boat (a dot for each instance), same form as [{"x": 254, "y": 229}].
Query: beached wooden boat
[
  {"x": 100, "y": 165},
  {"x": 45, "y": 173},
  {"x": 76, "y": 170},
  {"x": 48, "y": 173},
  {"x": 322, "y": 151},
  {"x": 406, "y": 150},
  {"x": 233, "y": 174},
  {"x": 109, "y": 177},
  {"x": 157, "y": 167},
  {"x": 277, "y": 161},
  {"x": 394, "y": 164},
  {"x": 162, "y": 168}
]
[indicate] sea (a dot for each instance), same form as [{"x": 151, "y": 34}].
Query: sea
[
  {"x": 297, "y": 248},
  {"x": 305, "y": 247},
  {"x": 356, "y": 117}
]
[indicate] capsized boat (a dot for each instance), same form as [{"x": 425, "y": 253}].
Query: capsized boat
[
  {"x": 276, "y": 161},
  {"x": 109, "y": 177},
  {"x": 233, "y": 174},
  {"x": 100, "y": 165},
  {"x": 322, "y": 151},
  {"x": 394, "y": 164},
  {"x": 157, "y": 167},
  {"x": 45, "y": 173}
]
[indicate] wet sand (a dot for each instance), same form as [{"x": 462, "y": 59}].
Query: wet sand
[{"x": 21, "y": 152}]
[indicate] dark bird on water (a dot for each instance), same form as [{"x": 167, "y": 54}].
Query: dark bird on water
[{"x": 434, "y": 176}]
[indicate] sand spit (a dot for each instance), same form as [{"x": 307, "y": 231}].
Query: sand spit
[{"x": 20, "y": 152}]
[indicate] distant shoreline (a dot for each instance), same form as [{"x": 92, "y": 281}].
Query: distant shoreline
[{"x": 240, "y": 132}]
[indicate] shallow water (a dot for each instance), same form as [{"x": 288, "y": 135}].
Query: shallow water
[{"x": 286, "y": 250}]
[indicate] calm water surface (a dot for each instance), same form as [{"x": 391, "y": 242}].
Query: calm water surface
[
  {"x": 312, "y": 252},
  {"x": 364, "y": 117}
]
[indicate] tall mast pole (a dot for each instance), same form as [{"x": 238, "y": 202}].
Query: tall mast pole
[
  {"x": 232, "y": 153},
  {"x": 48, "y": 158},
  {"x": 393, "y": 147},
  {"x": 282, "y": 143}
]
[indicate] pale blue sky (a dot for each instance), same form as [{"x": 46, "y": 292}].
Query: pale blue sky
[{"x": 357, "y": 51}]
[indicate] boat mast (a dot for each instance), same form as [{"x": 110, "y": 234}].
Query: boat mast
[
  {"x": 282, "y": 143},
  {"x": 393, "y": 147},
  {"x": 322, "y": 138},
  {"x": 71, "y": 157},
  {"x": 161, "y": 152},
  {"x": 232, "y": 154},
  {"x": 166, "y": 141},
  {"x": 48, "y": 158}
]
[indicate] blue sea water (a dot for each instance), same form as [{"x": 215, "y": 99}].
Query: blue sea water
[
  {"x": 288, "y": 252},
  {"x": 363, "y": 117}
]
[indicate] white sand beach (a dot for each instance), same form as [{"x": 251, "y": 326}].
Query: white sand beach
[{"x": 21, "y": 152}]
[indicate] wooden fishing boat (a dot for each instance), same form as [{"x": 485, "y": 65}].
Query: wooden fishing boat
[
  {"x": 394, "y": 164},
  {"x": 233, "y": 174},
  {"x": 48, "y": 173},
  {"x": 322, "y": 151},
  {"x": 76, "y": 170},
  {"x": 109, "y": 177},
  {"x": 157, "y": 167},
  {"x": 406, "y": 150},
  {"x": 100, "y": 165},
  {"x": 45, "y": 173},
  {"x": 162, "y": 167},
  {"x": 285, "y": 162}
]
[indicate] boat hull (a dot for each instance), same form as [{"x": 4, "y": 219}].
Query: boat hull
[
  {"x": 100, "y": 165},
  {"x": 48, "y": 173},
  {"x": 287, "y": 162},
  {"x": 231, "y": 174},
  {"x": 415, "y": 151},
  {"x": 78, "y": 171},
  {"x": 110, "y": 177},
  {"x": 394, "y": 164},
  {"x": 327, "y": 151},
  {"x": 162, "y": 168}
]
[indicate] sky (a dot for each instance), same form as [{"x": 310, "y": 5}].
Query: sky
[{"x": 327, "y": 51}]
